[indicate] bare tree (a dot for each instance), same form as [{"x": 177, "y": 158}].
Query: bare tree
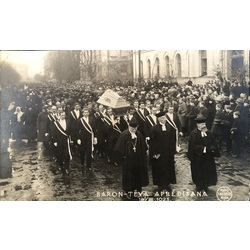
[
  {"x": 8, "y": 74},
  {"x": 63, "y": 65},
  {"x": 88, "y": 62}
]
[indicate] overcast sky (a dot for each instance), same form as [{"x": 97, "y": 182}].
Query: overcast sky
[{"x": 34, "y": 60}]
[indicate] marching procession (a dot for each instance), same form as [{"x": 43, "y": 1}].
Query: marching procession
[{"x": 68, "y": 122}]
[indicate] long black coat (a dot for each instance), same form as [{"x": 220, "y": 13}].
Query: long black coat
[
  {"x": 84, "y": 135},
  {"x": 73, "y": 124},
  {"x": 62, "y": 138},
  {"x": 203, "y": 167},
  {"x": 134, "y": 164},
  {"x": 163, "y": 143},
  {"x": 42, "y": 126},
  {"x": 141, "y": 118}
]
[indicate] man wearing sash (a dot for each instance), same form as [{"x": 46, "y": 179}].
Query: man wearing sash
[
  {"x": 61, "y": 139},
  {"x": 86, "y": 138},
  {"x": 113, "y": 129},
  {"x": 151, "y": 120},
  {"x": 52, "y": 118},
  {"x": 129, "y": 116},
  {"x": 100, "y": 130},
  {"x": 174, "y": 121},
  {"x": 74, "y": 116},
  {"x": 140, "y": 116},
  {"x": 162, "y": 149}
]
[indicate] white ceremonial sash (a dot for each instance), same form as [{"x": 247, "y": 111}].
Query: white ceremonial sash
[
  {"x": 151, "y": 121},
  {"x": 141, "y": 115},
  {"x": 68, "y": 139},
  {"x": 115, "y": 127},
  {"x": 171, "y": 123},
  {"x": 89, "y": 129},
  {"x": 73, "y": 114},
  {"x": 108, "y": 120},
  {"x": 56, "y": 123}
]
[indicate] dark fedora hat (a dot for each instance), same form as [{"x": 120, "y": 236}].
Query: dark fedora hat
[
  {"x": 200, "y": 118},
  {"x": 133, "y": 123},
  {"x": 160, "y": 114}
]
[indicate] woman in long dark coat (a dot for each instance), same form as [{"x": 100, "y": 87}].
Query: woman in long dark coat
[
  {"x": 202, "y": 149},
  {"x": 131, "y": 147}
]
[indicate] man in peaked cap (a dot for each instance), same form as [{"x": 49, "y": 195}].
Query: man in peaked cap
[
  {"x": 162, "y": 150},
  {"x": 202, "y": 149}
]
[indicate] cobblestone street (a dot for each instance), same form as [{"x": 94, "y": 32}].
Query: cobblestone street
[{"x": 34, "y": 180}]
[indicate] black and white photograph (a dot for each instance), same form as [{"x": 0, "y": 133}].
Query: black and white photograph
[
  {"x": 124, "y": 124},
  {"x": 133, "y": 125}
]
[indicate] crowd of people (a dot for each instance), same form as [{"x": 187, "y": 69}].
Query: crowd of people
[{"x": 69, "y": 121}]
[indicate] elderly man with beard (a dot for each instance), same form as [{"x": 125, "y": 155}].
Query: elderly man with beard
[
  {"x": 202, "y": 149},
  {"x": 131, "y": 148}
]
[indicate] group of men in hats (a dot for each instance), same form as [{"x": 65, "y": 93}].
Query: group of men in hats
[{"x": 153, "y": 123}]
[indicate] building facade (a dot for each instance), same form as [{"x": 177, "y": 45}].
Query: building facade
[
  {"x": 98, "y": 65},
  {"x": 199, "y": 65}
]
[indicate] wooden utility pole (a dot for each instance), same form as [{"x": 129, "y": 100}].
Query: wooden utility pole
[{"x": 139, "y": 63}]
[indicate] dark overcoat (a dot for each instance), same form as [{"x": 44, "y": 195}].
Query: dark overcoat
[
  {"x": 62, "y": 138},
  {"x": 83, "y": 133},
  {"x": 163, "y": 143},
  {"x": 203, "y": 167},
  {"x": 134, "y": 164}
]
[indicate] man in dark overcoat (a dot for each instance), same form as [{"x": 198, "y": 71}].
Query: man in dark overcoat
[
  {"x": 100, "y": 131},
  {"x": 61, "y": 140},
  {"x": 86, "y": 138},
  {"x": 162, "y": 150},
  {"x": 202, "y": 149},
  {"x": 236, "y": 134},
  {"x": 131, "y": 148},
  {"x": 42, "y": 131},
  {"x": 140, "y": 116},
  {"x": 74, "y": 116}
]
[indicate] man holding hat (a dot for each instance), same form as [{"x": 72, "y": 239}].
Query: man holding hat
[
  {"x": 202, "y": 149},
  {"x": 131, "y": 148},
  {"x": 162, "y": 150}
]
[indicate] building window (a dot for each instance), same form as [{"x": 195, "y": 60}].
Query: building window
[
  {"x": 178, "y": 65},
  {"x": 141, "y": 69},
  {"x": 167, "y": 66},
  {"x": 236, "y": 62},
  {"x": 203, "y": 58},
  {"x": 222, "y": 59},
  {"x": 157, "y": 65},
  {"x": 149, "y": 69}
]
